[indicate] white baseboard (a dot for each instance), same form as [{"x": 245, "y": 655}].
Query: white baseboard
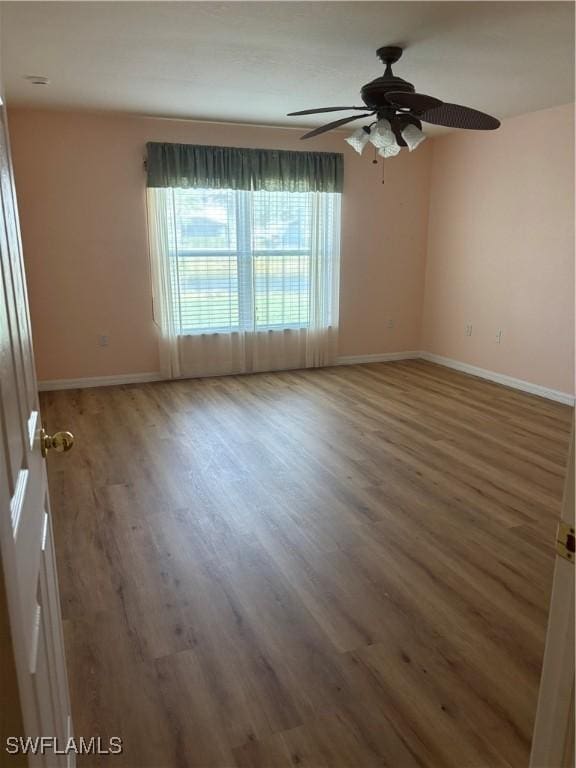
[
  {"x": 383, "y": 357},
  {"x": 139, "y": 378},
  {"x": 97, "y": 381},
  {"x": 501, "y": 378}
]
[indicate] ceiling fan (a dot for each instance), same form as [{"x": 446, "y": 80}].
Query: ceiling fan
[{"x": 399, "y": 111}]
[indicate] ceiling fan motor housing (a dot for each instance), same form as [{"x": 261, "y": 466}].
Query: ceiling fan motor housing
[{"x": 374, "y": 93}]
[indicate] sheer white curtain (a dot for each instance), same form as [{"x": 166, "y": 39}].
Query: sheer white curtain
[{"x": 244, "y": 281}]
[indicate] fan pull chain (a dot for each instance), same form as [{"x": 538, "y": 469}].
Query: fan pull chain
[
  {"x": 382, "y": 170},
  {"x": 375, "y": 161}
]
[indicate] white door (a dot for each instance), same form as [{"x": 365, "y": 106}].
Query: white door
[
  {"x": 553, "y": 739},
  {"x": 26, "y": 545}
]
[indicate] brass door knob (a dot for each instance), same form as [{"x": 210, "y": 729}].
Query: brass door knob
[{"x": 59, "y": 441}]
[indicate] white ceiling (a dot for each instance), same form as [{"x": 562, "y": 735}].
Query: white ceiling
[{"x": 254, "y": 61}]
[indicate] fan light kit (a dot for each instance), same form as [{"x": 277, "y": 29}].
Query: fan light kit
[{"x": 399, "y": 112}]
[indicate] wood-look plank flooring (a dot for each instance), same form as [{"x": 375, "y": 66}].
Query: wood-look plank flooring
[{"x": 338, "y": 568}]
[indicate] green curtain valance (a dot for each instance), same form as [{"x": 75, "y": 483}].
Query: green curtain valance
[{"x": 272, "y": 170}]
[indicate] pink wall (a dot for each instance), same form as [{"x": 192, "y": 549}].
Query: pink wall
[
  {"x": 501, "y": 248},
  {"x": 496, "y": 250},
  {"x": 80, "y": 185}
]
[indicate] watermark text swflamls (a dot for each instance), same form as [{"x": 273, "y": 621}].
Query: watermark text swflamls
[{"x": 51, "y": 745}]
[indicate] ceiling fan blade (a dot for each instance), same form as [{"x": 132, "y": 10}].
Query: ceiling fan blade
[
  {"x": 415, "y": 102},
  {"x": 335, "y": 124},
  {"x": 456, "y": 116},
  {"x": 323, "y": 109}
]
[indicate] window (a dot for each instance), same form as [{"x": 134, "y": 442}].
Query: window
[
  {"x": 244, "y": 257},
  {"x": 250, "y": 260}
]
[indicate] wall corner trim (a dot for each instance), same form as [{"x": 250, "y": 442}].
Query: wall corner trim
[{"x": 501, "y": 378}]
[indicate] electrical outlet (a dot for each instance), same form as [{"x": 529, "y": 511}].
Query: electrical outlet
[
  {"x": 499, "y": 336},
  {"x": 390, "y": 323},
  {"x": 103, "y": 340},
  {"x": 468, "y": 329}
]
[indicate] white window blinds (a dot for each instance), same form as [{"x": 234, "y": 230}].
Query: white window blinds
[{"x": 250, "y": 260}]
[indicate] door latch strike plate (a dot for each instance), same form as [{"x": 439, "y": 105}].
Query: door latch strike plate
[{"x": 566, "y": 541}]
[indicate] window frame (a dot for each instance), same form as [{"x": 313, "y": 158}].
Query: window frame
[{"x": 246, "y": 256}]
